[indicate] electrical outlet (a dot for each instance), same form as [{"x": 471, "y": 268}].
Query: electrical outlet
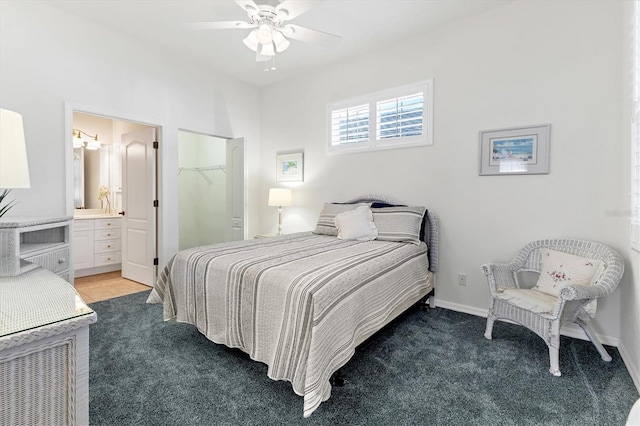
[{"x": 462, "y": 279}]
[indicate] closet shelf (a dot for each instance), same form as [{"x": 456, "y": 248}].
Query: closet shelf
[{"x": 201, "y": 170}]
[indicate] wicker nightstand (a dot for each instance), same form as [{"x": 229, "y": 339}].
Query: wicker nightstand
[
  {"x": 41, "y": 240},
  {"x": 44, "y": 348}
]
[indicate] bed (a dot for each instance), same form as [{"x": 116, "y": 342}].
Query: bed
[{"x": 301, "y": 303}]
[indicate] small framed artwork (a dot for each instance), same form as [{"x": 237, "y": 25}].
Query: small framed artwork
[
  {"x": 515, "y": 151},
  {"x": 289, "y": 167}
]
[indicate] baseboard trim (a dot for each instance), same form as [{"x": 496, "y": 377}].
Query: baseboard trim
[
  {"x": 633, "y": 370},
  {"x": 79, "y": 273},
  {"x": 570, "y": 330}
]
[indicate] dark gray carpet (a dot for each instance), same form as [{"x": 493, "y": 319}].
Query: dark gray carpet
[{"x": 425, "y": 368}]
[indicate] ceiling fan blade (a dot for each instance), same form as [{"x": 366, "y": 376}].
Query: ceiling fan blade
[
  {"x": 218, "y": 25},
  {"x": 320, "y": 38},
  {"x": 248, "y": 5},
  {"x": 295, "y": 8}
]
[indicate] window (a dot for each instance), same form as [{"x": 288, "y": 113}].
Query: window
[
  {"x": 396, "y": 118},
  {"x": 635, "y": 144}
]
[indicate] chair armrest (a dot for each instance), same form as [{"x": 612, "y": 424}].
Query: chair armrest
[
  {"x": 501, "y": 275},
  {"x": 577, "y": 292}
]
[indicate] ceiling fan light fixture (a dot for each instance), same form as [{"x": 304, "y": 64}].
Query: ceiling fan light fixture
[
  {"x": 265, "y": 33},
  {"x": 268, "y": 50},
  {"x": 251, "y": 41},
  {"x": 280, "y": 42}
]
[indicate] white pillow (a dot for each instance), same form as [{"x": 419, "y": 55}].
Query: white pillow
[
  {"x": 326, "y": 224},
  {"x": 560, "y": 269},
  {"x": 356, "y": 224}
]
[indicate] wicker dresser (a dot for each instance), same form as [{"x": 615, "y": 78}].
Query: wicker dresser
[
  {"x": 44, "y": 347},
  {"x": 41, "y": 240}
]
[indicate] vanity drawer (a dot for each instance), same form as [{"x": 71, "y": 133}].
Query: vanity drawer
[
  {"x": 82, "y": 225},
  {"x": 107, "y": 258},
  {"x": 107, "y": 234},
  {"x": 55, "y": 261},
  {"x": 106, "y": 246},
  {"x": 111, "y": 223}
]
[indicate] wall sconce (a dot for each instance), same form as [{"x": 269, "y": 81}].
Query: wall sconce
[
  {"x": 78, "y": 142},
  {"x": 280, "y": 197},
  {"x": 14, "y": 168}
]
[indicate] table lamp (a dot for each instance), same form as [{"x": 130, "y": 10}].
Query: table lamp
[
  {"x": 14, "y": 168},
  {"x": 280, "y": 197}
]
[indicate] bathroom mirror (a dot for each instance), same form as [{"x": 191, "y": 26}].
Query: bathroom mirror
[
  {"x": 93, "y": 169},
  {"x": 100, "y": 167}
]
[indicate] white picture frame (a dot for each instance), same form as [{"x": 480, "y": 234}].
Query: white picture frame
[
  {"x": 290, "y": 167},
  {"x": 514, "y": 151}
]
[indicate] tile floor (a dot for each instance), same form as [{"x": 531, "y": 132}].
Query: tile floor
[{"x": 95, "y": 288}]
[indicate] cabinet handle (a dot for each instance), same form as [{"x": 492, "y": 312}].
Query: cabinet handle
[
  {"x": 108, "y": 258},
  {"x": 62, "y": 260},
  {"x": 108, "y": 235},
  {"x": 108, "y": 223},
  {"x": 108, "y": 245}
]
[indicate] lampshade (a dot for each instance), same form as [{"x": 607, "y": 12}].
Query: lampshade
[
  {"x": 93, "y": 144},
  {"x": 251, "y": 41},
  {"x": 77, "y": 140},
  {"x": 14, "y": 168},
  {"x": 280, "y": 197},
  {"x": 265, "y": 33},
  {"x": 268, "y": 50},
  {"x": 280, "y": 42}
]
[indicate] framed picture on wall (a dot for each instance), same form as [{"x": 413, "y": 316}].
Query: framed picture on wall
[
  {"x": 518, "y": 150},
  {"x": 289, "y": 167}
]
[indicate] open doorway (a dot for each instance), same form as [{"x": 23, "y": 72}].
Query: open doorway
[
  {"x": 114, "y": 164},
  {"x": 210, "y": 189}
]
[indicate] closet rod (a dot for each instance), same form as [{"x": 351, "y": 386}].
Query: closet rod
[{"x": 201, "y": 170}]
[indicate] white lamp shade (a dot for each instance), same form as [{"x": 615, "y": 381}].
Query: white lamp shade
[
  {"x": 280, "y": 42},
  {"x": 251, "y": 41},
  {"x": 268, "y": 50},
  {"x": 280, "y": 197},
  {"x": 77, "y": 141},
  {"x": 14, "y": 168},
  {"x": 93, "y": 144},
  {"x": 265, "y": 34}
]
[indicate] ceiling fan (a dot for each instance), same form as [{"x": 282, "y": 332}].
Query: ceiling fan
[{"x": 270, "y": 30}]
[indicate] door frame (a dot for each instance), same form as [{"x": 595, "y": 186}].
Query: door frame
[{"x": 69, "y": 109}]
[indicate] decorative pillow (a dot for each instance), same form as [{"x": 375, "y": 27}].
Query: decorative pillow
[
  {"x": 356, "y": 225},
  {"x": 559, "y": 269},
  {"x": 326, "y": 224},
  {"x": 400, "y": 224}
]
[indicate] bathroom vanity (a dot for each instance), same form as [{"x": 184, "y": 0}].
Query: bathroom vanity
[{"x": 97, "y": 242}]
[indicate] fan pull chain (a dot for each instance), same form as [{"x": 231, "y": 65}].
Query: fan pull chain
[{"x": 273, "y": 65}]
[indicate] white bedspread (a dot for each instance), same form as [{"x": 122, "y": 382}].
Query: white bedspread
[{"x": 298, "y": 303}]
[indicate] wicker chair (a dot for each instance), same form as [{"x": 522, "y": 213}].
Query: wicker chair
[{"x": 569, "y": 306}]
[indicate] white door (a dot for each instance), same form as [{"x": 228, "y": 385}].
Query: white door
[
  {"x": 235, "y": 189},
  {"x": 138, "y": 195}
]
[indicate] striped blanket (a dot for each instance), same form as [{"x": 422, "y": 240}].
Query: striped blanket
[{"x": 298, "y": 303}]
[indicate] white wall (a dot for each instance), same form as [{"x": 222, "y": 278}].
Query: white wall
[
  {"x": 48, "y": 57},
  {"x": 526, "y": 63}
]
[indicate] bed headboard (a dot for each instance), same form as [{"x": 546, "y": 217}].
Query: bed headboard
[{"x": 429, "y": 223}]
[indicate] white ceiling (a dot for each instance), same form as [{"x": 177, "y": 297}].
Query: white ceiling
[{"x": 363, "y": 25}]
